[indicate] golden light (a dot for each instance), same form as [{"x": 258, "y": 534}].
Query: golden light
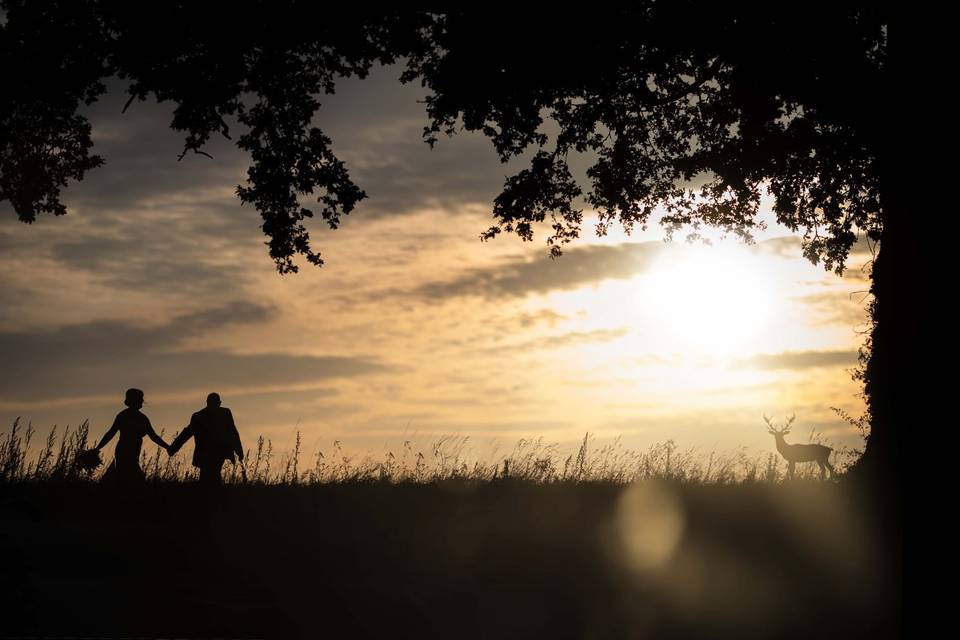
[
  {"x": 649, "y": 525},
  {"x": 715, "y": 300}
]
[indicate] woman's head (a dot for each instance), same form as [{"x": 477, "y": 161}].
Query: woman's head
[{"x": 134, "y": 398}]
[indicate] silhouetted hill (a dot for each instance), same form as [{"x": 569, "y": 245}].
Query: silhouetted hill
[{"x": 459, "y": 559}]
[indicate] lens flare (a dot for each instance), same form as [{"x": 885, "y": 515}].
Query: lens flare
[{"x": 649, "y": 524}]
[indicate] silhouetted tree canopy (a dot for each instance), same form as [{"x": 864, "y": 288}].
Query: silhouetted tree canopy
[
  {"x": 693, "y": 106},
  {"x": 738, "y": 98},
  {"x": 696, "y": 107},
  {"x": 262, "y": 63}
]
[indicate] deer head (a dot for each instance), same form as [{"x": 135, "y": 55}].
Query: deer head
[{"x": 774, "y": 431}]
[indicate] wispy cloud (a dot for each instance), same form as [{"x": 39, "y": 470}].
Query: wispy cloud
[
  {"x": 519, "y": 277},
  {"x": 838, "y": 306},
  {"x": 101, "y": 357},
  {"x": 799, "y": 360},
  {"x": 560, "y": 341}
]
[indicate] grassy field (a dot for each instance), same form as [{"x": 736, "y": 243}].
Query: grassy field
[
  {"x": 605, "y": 544},
  {"x": 23, "y": 459}
]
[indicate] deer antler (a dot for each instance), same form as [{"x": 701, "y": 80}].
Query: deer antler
[
  {"x": 786, "y": 427},
  {"x": 771, "y": 427}
]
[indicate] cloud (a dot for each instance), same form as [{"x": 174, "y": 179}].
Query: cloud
[
  {"x": 141, "y": 158},
  {"x": 791, "y": 247},
  {"x": 579, "y": 337},
  {"x": 848, "y": 308},
  {"x": 146, "y": 221},
  {"x": 13, "y": 298},
  {"x": 548, "y": 317},
  {"x": 799, "y": 360},
  {"x": 519, "y": 276},
  {"x": 562, "y": 340},
  {"x": 376, "y": 125},
  {"x": 186, "y": 248},
  {"x": 157, "y": 253},
  {"x": 104, "y": 357},
  {"x": 783, "y": 247}
]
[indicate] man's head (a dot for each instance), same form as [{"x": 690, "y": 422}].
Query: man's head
[
  {"x": 213, "y": 400},
  {"x": 133, "y": 398}
]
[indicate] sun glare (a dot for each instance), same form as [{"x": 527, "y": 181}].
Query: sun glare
[{"x": 710, "y": 300}]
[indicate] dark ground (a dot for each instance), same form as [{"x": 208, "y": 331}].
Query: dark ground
[{"x": 500, "y": 560}]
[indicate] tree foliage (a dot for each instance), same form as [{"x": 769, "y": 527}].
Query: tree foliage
[
  {"x": 695, "y": 107},
  {"x": 263, "y": 65}
]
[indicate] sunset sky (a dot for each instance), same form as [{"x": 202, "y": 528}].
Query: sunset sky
[{"x": 159, "y": 279}]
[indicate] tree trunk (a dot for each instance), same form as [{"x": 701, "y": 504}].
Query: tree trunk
[
  {"x": 895, "y": 369},
  {"x": 894, "y": 365}
]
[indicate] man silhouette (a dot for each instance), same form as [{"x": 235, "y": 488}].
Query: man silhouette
[{"x": 215, "y": 438}]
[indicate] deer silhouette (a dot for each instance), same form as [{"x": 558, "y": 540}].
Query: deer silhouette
[{"x": 794, "y": 453}]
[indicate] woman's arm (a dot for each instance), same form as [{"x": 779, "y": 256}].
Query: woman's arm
[
  {"x": 108, "y": 436},
  {"x": 153, "y": 436}
]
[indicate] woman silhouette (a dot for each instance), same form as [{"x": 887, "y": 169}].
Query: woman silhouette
[{"x": 132, "y": 425}]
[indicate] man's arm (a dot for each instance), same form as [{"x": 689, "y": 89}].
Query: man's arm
[
  {"x": 235, "y": 435},
  {"x": 181, "y": 438}
]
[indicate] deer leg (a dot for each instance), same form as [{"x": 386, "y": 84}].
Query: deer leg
[
  {"x": 790, "y": 469},
  {"x": 830, "y": 467},
  {"x": 823, "y": 469}
]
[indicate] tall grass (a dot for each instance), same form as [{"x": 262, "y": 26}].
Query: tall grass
[
  {"x": 54, "y": 461},
  {"x": 447, "y": 458}
]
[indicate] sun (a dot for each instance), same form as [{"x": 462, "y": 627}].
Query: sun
[{"x": 711, "y": 300}]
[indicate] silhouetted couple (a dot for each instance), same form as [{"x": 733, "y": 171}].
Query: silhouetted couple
[{"x": 215, "y": 436}]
